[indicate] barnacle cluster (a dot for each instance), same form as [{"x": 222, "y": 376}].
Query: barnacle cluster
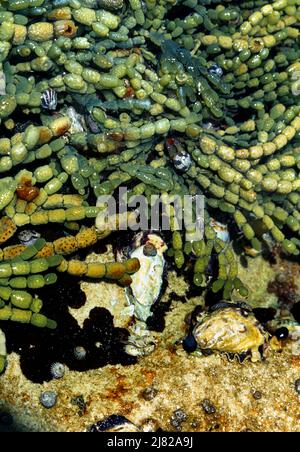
[{"x": 165, "y": 97}]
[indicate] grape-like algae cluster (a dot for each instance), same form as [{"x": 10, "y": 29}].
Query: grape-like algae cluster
[{"x": 165, "y": 97}]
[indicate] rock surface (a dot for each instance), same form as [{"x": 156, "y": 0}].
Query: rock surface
[{"x": 171, "y": 379}]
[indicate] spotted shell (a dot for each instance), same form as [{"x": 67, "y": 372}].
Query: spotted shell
[{"x": 232, "y": 329}]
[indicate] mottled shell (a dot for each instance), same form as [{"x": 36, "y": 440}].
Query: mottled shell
[
  {"x": 216, "y": 70},
  {"x": 48, "y": 399},
  {"x": 182, "y": 161},
  {"x": 231, "y": 329},
  {"x": 147, "y": 282},
  {"x": 28, "y": 237}
]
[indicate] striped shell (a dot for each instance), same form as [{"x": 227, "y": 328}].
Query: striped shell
[{"x": 49, "y": 99}]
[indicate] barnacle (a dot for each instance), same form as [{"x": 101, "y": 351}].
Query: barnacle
[
  {"x": 165, "y": 97},
  {"x": 65, "y": 28}
]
